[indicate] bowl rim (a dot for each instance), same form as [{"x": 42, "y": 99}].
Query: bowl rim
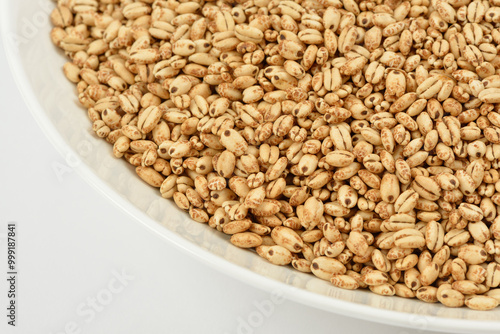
[{"x": 302, "y": 296}]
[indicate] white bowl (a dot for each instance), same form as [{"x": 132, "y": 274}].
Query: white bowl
[{"x": 37, "y": 68}]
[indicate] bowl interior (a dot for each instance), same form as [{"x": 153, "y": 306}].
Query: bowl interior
[{"x": 37, "y": 67}]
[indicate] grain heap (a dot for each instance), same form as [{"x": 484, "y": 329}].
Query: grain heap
[{"x": 357, "y": 140}]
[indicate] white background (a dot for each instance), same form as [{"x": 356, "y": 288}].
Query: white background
[{"x": 73, "y": 242}]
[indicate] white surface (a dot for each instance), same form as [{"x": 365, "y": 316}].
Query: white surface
[{"x": 72, "y": 241}]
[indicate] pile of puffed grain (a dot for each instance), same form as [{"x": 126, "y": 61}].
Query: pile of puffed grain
[{"x": 357, "y": 140}]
